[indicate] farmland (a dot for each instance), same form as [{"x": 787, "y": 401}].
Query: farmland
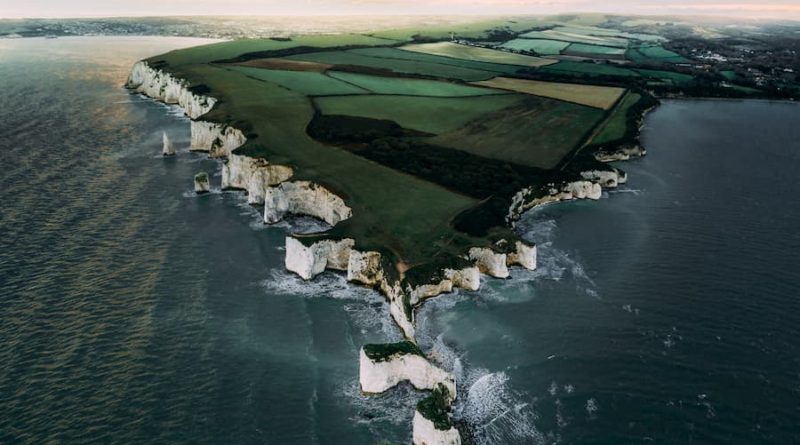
[
  {"x": 589, "y": 95},
  {"x": 416, "y": 135},
  {"x": 449, "y": 49},
  {"x": 539, "y": 46}
]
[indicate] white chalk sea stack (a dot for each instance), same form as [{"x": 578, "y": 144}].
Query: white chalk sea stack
[{"x": 201, "y": 183}]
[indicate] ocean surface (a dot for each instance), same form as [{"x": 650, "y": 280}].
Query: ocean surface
[{"x": 133, "y": 311}]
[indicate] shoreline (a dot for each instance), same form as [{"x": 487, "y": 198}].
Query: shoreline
[{"x": 283, "y": 197}]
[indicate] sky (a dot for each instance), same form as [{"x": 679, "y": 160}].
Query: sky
[{"x": 786, "y": 9}]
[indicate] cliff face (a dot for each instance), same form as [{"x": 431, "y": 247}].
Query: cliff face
[
  {"x": 253, "y": 175},
  {"x": 217, "y": 140},
  {"x": 162, "y": 86},
  {"x": 426, "y": 433},
  {"x": 379, "y": 376},
  {"x": 304, "y": 198},
  {"x": 528, "y": 198}
]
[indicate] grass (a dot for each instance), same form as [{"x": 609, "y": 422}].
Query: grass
[
  {"x": 537, "y": 132},
  {"x": 386, "y": 351},
  {"x": 436, "y": 408},
  {"x": 275, "y": 121},
  {"x": 615, "y": 127},
  {"x": 395, "y": 53},
  {"x": 427, "y": 114},
  {"x": 477, "y": 54},
  {"x": 591, "y": 95},
  {"x": 226, "y": 50},
  {"x": 589, "y": 69},
  {"x": 411, "y": 87},
  {"x": 564, "y": 34},
  {"x": 667, "y": 76},
  {"x": 404, "y": 66},
  {"x": 308, "y": 83},
  {"x": 654, "y": 54},
  {"x": 582, "y": 48},
  {"x": 540, "y": 46}
]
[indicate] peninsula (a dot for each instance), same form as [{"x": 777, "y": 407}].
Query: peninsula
[{"x": 420, "y": 148}]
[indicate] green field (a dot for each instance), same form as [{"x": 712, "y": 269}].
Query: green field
[
  {"x": 667, "y": 76},
  {"x": 305, "y": 82},
  {"x": 433, "y": 134},
  {"x": 582, "y": 48},
  {"x": 457, "y": 51},
  {"x": 537, "y": 132},
  {"x": 567, "y": 36},
  {"x": 588, "y": 69},
  {"x": 616, "y": 126},
  {"x": 654, "y": 54},
  {"x": 402, "y": 66},
  {"x": 395, "y": 53},
  {"x": 543, "y": 47},
  {"x": 410, "y": 87},
  {"x": 433, "y": 115}
]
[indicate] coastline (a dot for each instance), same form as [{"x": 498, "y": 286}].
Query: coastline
[{"x": 270, "y": 185}]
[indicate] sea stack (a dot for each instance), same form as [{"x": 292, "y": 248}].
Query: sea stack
[
  {"x": 169, "y": 149},
  {"x": 201, "y": 183}
]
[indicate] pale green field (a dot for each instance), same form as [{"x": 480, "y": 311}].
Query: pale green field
[
  {"x": 540, "y": 46},
  {"x": 457, "y": 51},
  {"x": 582, "y": 48}
]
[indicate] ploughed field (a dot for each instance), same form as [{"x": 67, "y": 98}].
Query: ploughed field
[{"x": 420, "y": 138}]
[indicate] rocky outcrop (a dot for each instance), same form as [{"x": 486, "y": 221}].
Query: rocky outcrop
[
  {"x": 531, "y": 197},
  {"x": 304, "y": 198},
  {"x": 218, "y": 140},
  {"x": 310, "y": 261},
  {"x": 400, "y": 307},
  {"x": 253, "y": 175},
  {"x": 468, "y": 278},
  {"x": 523, "y": 255},
  {"x": 490, "y": 262},
  {"x": 424, "y": 291},
  {"x": 378, "y": 374},
  {"x": 623, "y": 153},
  {"x": 201, "y": 183},
  {"x": 426, "y": 433},
  {"x": 168, "y": 89},
  {"x": 610, "y": 178},
  {"x": 168, "y": 149}
]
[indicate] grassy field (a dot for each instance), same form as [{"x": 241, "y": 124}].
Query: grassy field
[
  {"x": 410, "y": 87},
  {"x": 537, "y": 132},
  {"x": 402, "y": 66},
  {"x": 582, "y": 48},
  {"x": 667, "y": 76},
  {"x": 308, "y": 83},
  {"x": 589, "y": 69},
  {"x": 395, "y": 53},
  {"x": 234, "y": 48},
  {"x": 434, "y": 115},
  {"x": 408, "y": 192},
  {"x": 566, "y": 36},
  {"x": 590, "y": 95},
  {"x": 477, "y": 54},
  {"x": 540, "y": 46},
  {"x": 615, "y": 127},
  {"x": 278, "y": 118},
  {"x": 654, "y": 54}
]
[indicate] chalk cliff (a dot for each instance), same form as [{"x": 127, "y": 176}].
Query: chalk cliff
[
  {"x": 426, "y": 433},
  {"x": 253, "y": 175},
  {"x": 379, "y": 375},
  {"x": 310, "y": 261},
  {"x": 168, "y": 89},
  {"x": 623, "y": 153},
  {"x": 304, "y": 198},
  {"x": 218, "y": 140}
]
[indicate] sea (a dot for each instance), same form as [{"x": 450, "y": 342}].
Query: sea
[{"x": 134, "y": 311}]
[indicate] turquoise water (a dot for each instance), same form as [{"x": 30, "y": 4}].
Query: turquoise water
[{"x": 132, "y": 311}]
